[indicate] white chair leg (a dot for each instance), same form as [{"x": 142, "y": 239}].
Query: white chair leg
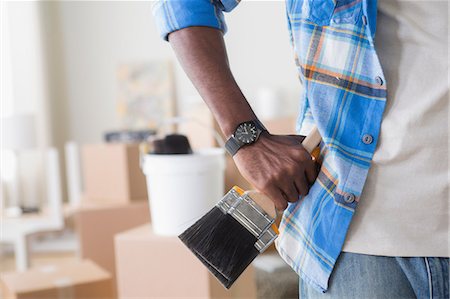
[{"x": 21, "y": 252}]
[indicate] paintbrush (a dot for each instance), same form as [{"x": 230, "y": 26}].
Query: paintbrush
[{"x": 240, "y": 227}]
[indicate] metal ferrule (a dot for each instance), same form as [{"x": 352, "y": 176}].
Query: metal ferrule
[{"x": 251, "y": 216}]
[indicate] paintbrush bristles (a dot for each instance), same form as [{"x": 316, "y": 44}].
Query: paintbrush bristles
[{"x": 222, "y": 244}]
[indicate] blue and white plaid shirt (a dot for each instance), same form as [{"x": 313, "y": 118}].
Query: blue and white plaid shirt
[{"x": 344, "y": 94}]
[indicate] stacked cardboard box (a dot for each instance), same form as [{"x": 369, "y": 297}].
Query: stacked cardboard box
[
  {"x": 146, "y": 265},
  {"x": 281, "y": 126},
  {"x": 114, "y": 200},
  {"x": 97, "y": 223},
  {"x": 81, "y": 279},
  {"x": 151, "y": 266},
  {"x": 111, "y": 171}
]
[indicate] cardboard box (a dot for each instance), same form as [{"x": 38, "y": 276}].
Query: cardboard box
[
  {"x": 97, "y": 223},
  {"x": 112, "y": 172},
  {"x": 78, "y": 279},
  {"x": 151, "y": 266},
  {"x": 281, "y": 126}
]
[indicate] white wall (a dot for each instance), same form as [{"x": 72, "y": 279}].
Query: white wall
[
  {"x": 6, "y": 91},
  {"x": 24, "y": 91},
  {"x": 59, "y": 60},
  {"x": 96, "y": 37},
  {"x": 23, "y": 67}
]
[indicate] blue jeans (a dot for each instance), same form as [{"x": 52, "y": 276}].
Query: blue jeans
[{"x": 367, "y": 276}]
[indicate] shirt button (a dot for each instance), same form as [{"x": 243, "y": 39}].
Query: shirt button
[
  {"x": 379, "y": 80},
  {"x": 367, "y": 139},
  {"x": 364, "y": 20},
  {"x": 349, "y": 198}
]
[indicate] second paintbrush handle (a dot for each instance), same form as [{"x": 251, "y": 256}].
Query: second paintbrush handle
[{"x": 312, "y": 140}]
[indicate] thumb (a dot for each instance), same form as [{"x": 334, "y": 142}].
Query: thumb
[{"x": 298, "y": 138}]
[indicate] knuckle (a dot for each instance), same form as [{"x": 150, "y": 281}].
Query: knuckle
[
  {"x": 279, "y": 202},
  {"x": 311, "y": 164},
  {"x": 300, "y": 154},
  {"x": 263, "y": 187},
  {"x": 306, "y": 191},
  {"x": 293, "y": 168},
  {"x": 293, "y": 198},
  {"x": 289, "y": 197},
  {"x": 281, "y": 206},
  {"x": 303, "y": 189},
  {"x": 266, "y": 185},
  {"x": 276, "y": 176}
]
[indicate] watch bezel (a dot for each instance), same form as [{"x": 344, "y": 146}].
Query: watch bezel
[{"x": 242, "y": 125}]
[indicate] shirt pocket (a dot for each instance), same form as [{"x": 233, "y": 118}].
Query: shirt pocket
[
  {"x": 347, "y": 11},
  {"x": 321, "y": 11},
  {"x": 325, "y": 12}
]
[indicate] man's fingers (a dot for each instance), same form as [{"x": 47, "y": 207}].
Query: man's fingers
[
  {"x": 301, "y": 184},
  {"x": 277, "y": 198},
  {"x": 311, "y": 172},
  {"x": 290, "y": 191}
]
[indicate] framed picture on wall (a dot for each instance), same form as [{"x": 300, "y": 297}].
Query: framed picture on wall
[{"x": 146, "y": 94}]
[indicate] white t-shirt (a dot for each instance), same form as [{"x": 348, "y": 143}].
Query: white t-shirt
[{"x": 403, "y": 210}]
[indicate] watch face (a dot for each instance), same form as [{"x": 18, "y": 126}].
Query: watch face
[{"x": 246, "y": 132}]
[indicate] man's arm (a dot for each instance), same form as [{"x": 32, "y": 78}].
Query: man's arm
[
  {"x": 201, "y": 52},
  {"x": 276, "y": 165}
]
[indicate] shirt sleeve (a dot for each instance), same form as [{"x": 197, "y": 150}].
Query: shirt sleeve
[{"x": 172, "y": 15}]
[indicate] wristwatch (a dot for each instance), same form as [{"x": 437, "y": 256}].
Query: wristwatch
[{"x": 246, "y": 133}]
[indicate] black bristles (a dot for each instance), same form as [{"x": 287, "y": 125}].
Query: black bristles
[{"x": 222, "y": 244}]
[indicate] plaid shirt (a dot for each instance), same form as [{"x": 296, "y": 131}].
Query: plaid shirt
[{"x": 344, "y": 94}]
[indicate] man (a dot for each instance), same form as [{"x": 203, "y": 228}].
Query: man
[{"x": 397, "y": 245}]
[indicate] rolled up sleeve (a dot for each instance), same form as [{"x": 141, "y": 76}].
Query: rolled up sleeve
[{"x": 172, "y": 15}]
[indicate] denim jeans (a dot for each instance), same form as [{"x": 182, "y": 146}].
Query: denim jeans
[{"x": 367, "y": 276}]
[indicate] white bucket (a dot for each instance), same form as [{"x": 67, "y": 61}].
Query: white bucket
[{"x": 182, "y": 188}]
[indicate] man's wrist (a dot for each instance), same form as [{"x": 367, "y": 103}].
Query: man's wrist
[{"x": 246, "y": 133}]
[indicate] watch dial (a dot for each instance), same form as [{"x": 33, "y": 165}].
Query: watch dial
[{"x": 246, "y": 133}]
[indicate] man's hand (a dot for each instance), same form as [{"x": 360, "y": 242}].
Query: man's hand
[{"x": 278, "y": 166}]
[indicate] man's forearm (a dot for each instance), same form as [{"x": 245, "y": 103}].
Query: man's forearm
[
  {"x": 278, "y": 166},
  {"x": 202, "y": 54}
]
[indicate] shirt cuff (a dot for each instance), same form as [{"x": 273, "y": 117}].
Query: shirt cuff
[
  {"x": 229, "y": 5},
  {"x": 172, "y": 15}
]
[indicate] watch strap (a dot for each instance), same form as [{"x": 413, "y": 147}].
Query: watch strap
[
  {"x": 232, "y": 145},
  {"x": 259, "y": 125}
]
